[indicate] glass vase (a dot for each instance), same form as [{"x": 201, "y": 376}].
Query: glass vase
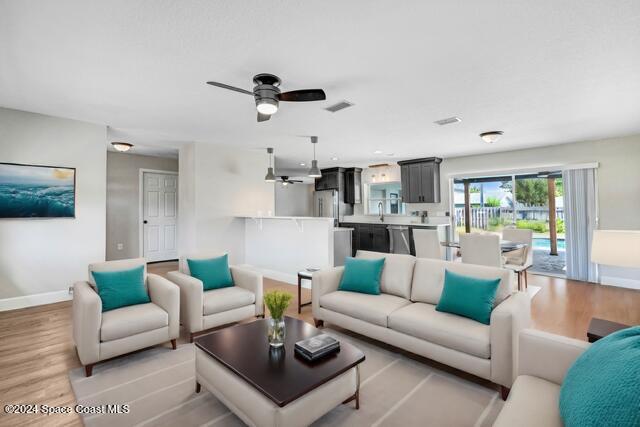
[{"x": 276, "y": 332}]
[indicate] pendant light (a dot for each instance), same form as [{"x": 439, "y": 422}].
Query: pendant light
[
  {"x": 270, "y": 176},
  {"x": 314, "y": 172}
]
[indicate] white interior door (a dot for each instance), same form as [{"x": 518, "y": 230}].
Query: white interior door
[{"x": 160, "y": 216}]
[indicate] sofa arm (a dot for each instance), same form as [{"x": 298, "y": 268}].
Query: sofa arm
[
  {"x": 87, "y": 318},
  {"x": 507, "y": 320},
  {"x": 251, "y": 281},
  {"x": 547, "y": 356},
  {"x": 323, "y": 282},
  {"x": 166, "y": 295},
  {"x": 191, "y": 300}
]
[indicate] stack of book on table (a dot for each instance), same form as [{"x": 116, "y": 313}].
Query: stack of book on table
[{"x": 317, "y": 347}]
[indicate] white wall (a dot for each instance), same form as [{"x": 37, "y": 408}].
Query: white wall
[
  {"x": 123, "y": 180},
  {"x": 294, "y": 199},
  {"x": 218, "y": 182},
  {"x": 47, "y": 255}
]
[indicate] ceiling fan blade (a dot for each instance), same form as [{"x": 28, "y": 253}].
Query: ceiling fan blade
[
  {"x": 224, "y": 86},
  {"x": 263, "y": 117},
  {"x": 303, "y": 95}
]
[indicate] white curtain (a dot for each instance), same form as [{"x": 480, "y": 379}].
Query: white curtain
[{"x": 579, "y": 222}]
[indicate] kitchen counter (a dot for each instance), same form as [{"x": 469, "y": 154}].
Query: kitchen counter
[{"x": 397, "y": 220}]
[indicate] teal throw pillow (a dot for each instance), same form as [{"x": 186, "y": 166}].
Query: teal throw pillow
[
  {"x": 214, "y": 272},
  {"x": 602, "y": 387},
  {"x": 362, "y": 275},
  {"x": 468, "y": 296},
  {"x": 121, "y": 288}
]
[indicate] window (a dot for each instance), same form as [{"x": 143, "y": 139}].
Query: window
[{"x": 389, "y": 194}]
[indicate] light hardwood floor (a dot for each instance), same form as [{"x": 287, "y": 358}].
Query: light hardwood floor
[{"x": 37, "y": 350}]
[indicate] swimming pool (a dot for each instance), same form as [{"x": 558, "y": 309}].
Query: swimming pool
[{"x": 545, "y": 243}]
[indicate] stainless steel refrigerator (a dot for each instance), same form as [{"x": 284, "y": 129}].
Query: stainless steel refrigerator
[{"x": 326, "y": 204}]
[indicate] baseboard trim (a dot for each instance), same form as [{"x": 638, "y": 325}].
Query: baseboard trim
[
  {"x": 621, "y": 282},
  {"x": 34, "y": 300}
]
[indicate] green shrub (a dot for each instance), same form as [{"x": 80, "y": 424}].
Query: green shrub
[
  {"x": 535, "y": 225},
  {"x": 492, "y": 202},
  {"x": 559, "y": 226}
]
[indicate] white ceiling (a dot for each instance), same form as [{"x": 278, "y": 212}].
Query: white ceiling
[{"x": 544, "y": 72}]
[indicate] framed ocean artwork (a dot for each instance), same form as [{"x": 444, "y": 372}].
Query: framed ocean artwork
[{"x": 33, "y": 191}]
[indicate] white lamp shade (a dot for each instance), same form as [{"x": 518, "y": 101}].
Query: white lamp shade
[{"x": 620, "y": 248}]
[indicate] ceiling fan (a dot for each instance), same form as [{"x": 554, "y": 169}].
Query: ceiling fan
[
  {"x": 267, "y": 94},
  {"x": 284, "y": 179}
]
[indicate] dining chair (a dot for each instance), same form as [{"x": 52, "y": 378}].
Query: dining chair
[
  {"x": 427, "y": 244},
  {"x": 481, "y": 249},
  {"x": 521, "y": 259}
]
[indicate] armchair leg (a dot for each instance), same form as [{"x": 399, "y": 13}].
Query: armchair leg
[
  {"x": 191, "y": 337},
  {"x": 504, "y": 392},
  {"x": 318, "y": 322},
  {"x": 198, "y": 387},
  {"x": 526, "y": 281},
  {"x": 88, "y": 370},
  {"x": 174, "y": 344},
  {"x": 519, "y": 281}
]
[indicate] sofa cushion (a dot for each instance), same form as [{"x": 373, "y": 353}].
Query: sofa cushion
[
  {"x": 370, "y": 308},
  {"x": 468, "y": 296},
  {"x": 362, "y": 275},
  {"x": 121, "y": 288},
  {"x": 428, "y": 279},
  {"x": 225, "y": 299},
  {"x": 448, "y": 330},
  {"x": 213, "y": 272},
  {"x": 533, "y": 402},
  {"x": 396, "y": 274},
  {"x": 134, "y": 319}
]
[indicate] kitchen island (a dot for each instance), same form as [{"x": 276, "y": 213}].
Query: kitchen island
[{"x": 280, "y": 246}]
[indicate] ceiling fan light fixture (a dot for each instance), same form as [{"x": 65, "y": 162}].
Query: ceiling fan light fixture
[
  {"x": 267, "y": 106},
  {"x": 122, "y": 146},
  {"x": 492, "y": 136}
]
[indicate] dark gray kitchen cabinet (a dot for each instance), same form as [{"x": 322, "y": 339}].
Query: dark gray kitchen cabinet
[
  {"x": 353, "y": 185},
  {"x": 368, "y": 237},
  {"x": 420, "y": 180},
  {"x": 331, "y": 179}
]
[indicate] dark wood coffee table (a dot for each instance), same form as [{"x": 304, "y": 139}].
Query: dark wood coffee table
[{"x": 278, "y": 374}]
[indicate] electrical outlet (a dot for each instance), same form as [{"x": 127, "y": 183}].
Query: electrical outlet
[{"x": 120, "y": 246}]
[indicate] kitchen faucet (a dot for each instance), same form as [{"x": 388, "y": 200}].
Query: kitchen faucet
[{"x": 381, "y": 211}]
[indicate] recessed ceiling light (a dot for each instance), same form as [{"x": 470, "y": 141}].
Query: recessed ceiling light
[
  {"x": 390, "y": 154},
  {"x": 491, "y": 136},
  {"x": 303, "y": 164},
  {"x": 334, "y": 158},
  {"x": 377, "y": 152}
]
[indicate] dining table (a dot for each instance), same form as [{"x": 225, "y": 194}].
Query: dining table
[{"x": 505, "y": 245}]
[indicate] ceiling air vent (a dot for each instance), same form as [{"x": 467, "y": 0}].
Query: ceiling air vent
[
  {"x": 339, "y": 106},
  {"x": 448, "y": 121}
]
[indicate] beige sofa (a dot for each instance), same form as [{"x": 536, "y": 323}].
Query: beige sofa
[
  {"x": 404, "y": 314},
  {"x": 99, "y": 336},
  {"x": 202, "y": 310},
  {"x": 543, "y": 361}
]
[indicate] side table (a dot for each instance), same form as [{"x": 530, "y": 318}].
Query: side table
[{"x": 600, "y": 328}]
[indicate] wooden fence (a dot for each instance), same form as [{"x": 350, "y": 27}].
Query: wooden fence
[{"x": 481, "y": 217}]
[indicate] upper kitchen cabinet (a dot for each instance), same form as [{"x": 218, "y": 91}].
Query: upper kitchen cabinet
[
  {"x": 331, "y": 179},
  {"x": 353, "y": 185},
  {"x": 421, "y": 180}
]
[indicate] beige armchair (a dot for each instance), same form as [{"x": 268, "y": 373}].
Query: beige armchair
[
  {"x": 202, "y": 310},
  {"x": 100, "y": 336}
]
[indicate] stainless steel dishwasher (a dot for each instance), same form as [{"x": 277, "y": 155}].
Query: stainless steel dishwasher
[{"x": 399, "y": 239}]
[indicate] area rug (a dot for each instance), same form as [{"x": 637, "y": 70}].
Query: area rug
[{"x": 159, "y": 387}]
